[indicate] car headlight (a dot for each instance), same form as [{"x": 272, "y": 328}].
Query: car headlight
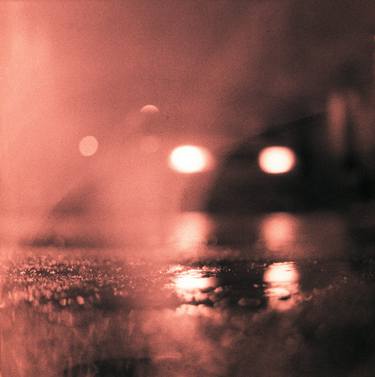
[
  {"x": 277, "y": 160},
  {"x": 190, "y": 159}
]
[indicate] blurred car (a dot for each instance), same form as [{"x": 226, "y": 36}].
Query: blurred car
[
  {"x": 140, "y": 181},
  {"x": 289, "y": 167},
  {"x": 292, "y": 194}
]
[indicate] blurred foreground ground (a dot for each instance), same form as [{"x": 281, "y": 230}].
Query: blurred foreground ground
[{"x": 299, "y": 302}]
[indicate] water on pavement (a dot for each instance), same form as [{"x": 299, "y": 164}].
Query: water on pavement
[{"x": 279, "y": 296}]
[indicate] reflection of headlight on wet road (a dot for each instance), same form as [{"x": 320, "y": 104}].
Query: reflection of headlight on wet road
[
  {"x": 281, "y": 273},
  {"x": 279, "y": 231},
  {"x": 193, "y": 285},
  {"x": 282, "y": 280},
  {"x": 190, "y": 230}
]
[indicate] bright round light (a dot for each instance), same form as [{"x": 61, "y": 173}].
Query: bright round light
[
  {"x": 277, "y": 160},
  {"x": 88, "y": 146},
  {"x": 149, "y": 109},
  {"x": 189, "y": 159}
]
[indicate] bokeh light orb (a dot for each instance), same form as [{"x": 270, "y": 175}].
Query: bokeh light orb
[
  {"x": 88, "y": 146},
  {"x": 149, "y": 109},
  {"x": 190, "y": 159},
  {"x": 277, "y": 160}
]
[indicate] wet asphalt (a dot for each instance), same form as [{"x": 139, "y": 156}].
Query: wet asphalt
[{"x": 222, "y": 312}]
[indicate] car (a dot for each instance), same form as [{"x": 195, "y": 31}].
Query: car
[
  {"x": 284, "y": 194},
  {"x": 289, "y": 167}
]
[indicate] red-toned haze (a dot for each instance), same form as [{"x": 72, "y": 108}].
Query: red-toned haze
[{"x": 115, "y": 69}]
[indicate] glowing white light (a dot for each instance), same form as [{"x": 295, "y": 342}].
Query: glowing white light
[
  {"x": 277, "y": 160},
  {"x": 191, "y": 285},
  {"x": 149, "y": 109},
  {"x": 190, "y": 282},
  {"x": 281, "y": 273},
  {"x": 189, "y": 159},
  {"x": 282, "y": 280},
  {"x": 88, "y": 146}
]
